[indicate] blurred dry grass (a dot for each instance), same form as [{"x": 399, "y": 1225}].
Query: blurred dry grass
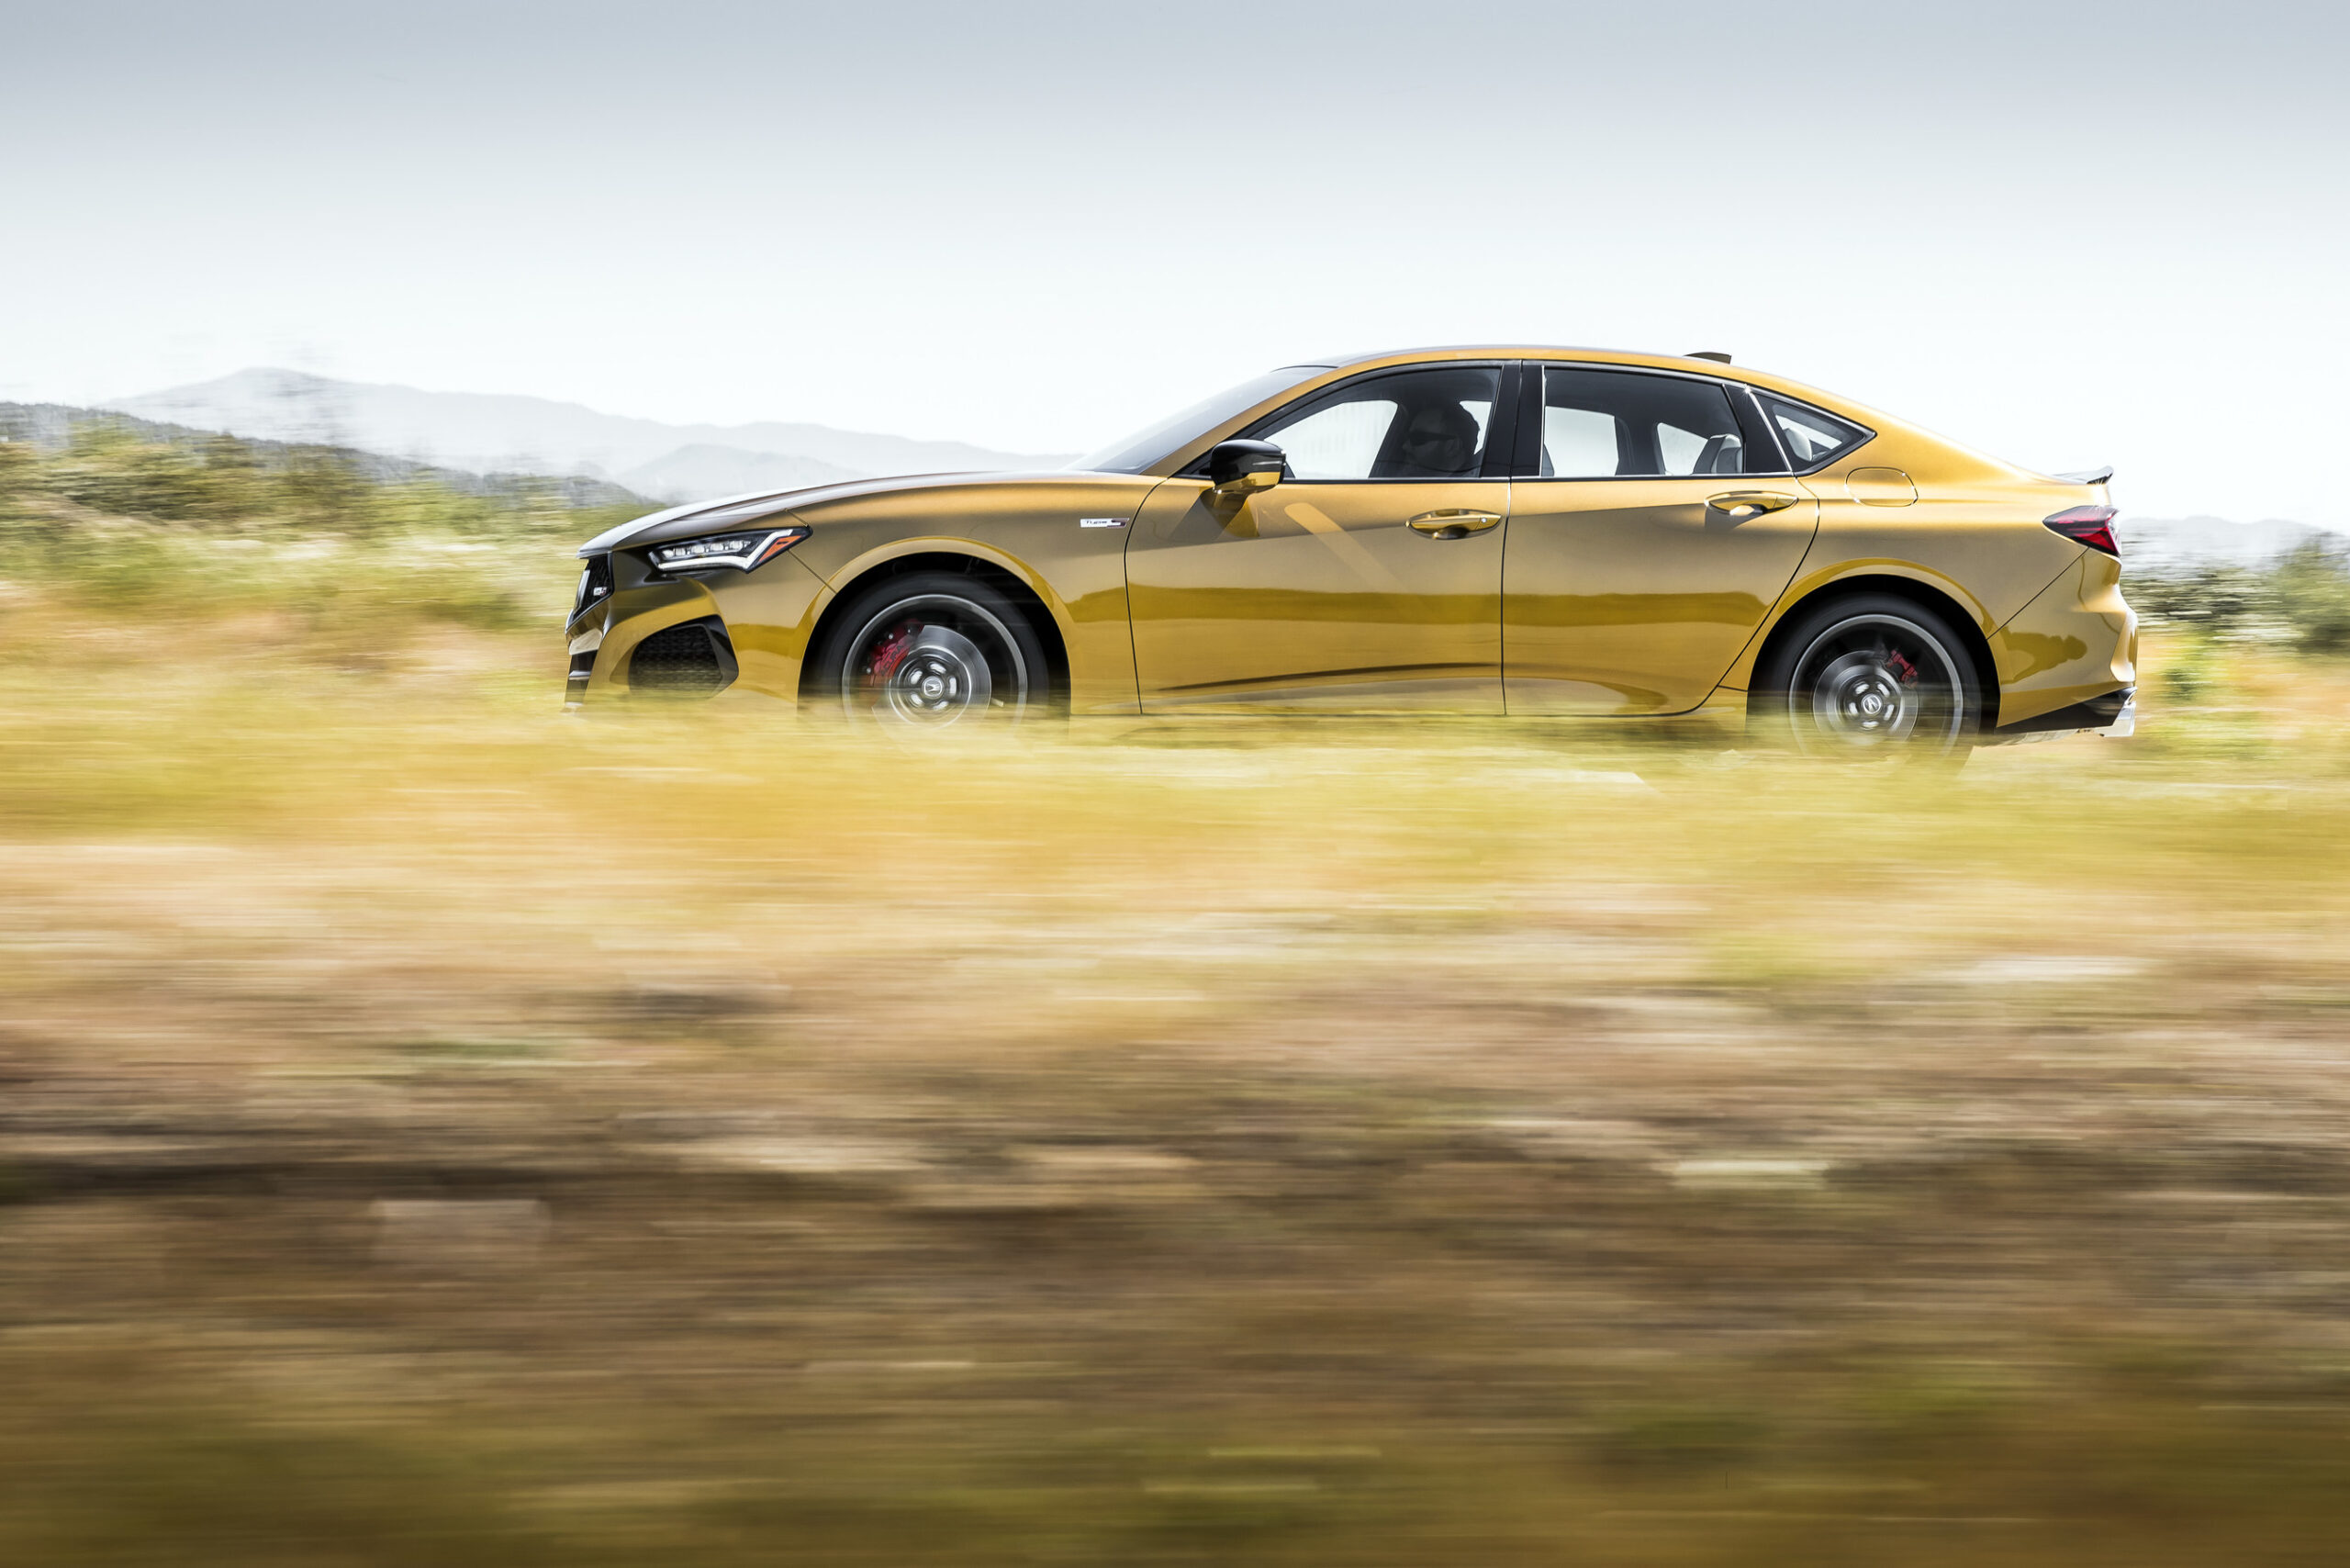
[{"x": 435, "y": 1131}]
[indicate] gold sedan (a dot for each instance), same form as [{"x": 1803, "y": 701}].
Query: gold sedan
[{"x": 1547, "y": 531}]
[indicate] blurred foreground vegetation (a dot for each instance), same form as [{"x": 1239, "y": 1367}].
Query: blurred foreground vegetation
[{"x": 433, "y": 1131}]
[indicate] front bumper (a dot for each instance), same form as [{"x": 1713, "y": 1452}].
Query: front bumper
[
  {"x": 690, "y": 635},
  {"x": 583, "y": 669}
]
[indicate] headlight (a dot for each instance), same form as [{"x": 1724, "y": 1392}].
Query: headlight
[{"x": 739, "y": 551}]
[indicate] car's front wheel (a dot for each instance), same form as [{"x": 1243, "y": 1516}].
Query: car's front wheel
[
  {"x": 934, "y": 649},
  {"x": 1872, "y": 676}
]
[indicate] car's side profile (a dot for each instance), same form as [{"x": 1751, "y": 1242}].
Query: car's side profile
[{"x": 1530, "y": 531}]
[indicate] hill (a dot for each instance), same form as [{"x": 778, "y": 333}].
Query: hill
[{"x": 49, "y": 427}]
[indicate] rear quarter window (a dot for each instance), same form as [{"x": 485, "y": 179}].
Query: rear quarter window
[{"x": 1811, "y": 436}]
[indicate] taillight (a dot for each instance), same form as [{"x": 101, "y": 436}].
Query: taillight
[{"x": 2092, "y": 526}]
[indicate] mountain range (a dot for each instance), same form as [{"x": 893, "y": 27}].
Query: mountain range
[
  {"x": 495, "y": 434},
  {"x": 50, "y": 427},
  {"x": 2180, "y": 541}
]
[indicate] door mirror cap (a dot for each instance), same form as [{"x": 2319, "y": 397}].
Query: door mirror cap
[{"x": 1236, "y": 467}]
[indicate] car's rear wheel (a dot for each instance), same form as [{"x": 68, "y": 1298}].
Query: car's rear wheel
[
  {"x": 933, "y": 650},
  {"x": 1872, "y": 676}
]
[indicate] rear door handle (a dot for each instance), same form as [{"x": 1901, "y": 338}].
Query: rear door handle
[
  {"x": 1453, "y": 522},
  {"x": 1744, "y": 504}
]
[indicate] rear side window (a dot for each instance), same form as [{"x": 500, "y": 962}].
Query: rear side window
[
  {"x": 1810, "y": 436},
  {"x": 1602, "y": 424}
]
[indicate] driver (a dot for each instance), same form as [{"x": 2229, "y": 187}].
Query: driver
[{"x": 1440, "y": 443}]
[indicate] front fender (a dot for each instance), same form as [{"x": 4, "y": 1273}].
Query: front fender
[{"x": 1035, "y": 532}]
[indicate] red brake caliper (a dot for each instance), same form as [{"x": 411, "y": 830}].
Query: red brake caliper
[
  {"x": 890, "y": 652},
  {"x": 1903, "y": 670}
]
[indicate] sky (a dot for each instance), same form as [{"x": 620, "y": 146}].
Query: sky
[{"x": 2065, "y": 233}]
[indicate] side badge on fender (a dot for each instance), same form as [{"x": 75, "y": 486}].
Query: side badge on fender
[{"x": 1104, "y": 521}]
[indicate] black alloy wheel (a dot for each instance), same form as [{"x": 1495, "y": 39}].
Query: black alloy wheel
[
  {"x": 1872, "y": 676},
  {"x": 931, "y": 650}
]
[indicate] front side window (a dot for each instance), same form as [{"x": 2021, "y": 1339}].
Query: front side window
[
  {"x": 1601, "y": 424},
  {"x": 1417, "y": 424},
  {"x": 1337, "y": 441},
  {"x": 1811, "y": 437}
]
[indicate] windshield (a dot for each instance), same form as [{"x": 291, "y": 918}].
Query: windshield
[{"x": 1131, "y": 454}]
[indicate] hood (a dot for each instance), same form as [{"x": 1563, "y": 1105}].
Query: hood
[{"x": 697, "y": 517}]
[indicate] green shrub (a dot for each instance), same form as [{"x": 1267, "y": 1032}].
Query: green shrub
[
  {"x": 2303, "y": 599},
  {"x": 2311, "y": 586},
  {"x": 19, "y": 464},
  {"x": 311, "y": 537}
]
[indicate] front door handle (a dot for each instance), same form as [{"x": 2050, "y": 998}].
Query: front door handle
[
  {"x": 1453, "y": 522},
  {"x": 1743, "y": 504}
]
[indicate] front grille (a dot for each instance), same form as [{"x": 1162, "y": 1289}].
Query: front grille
[
  {"x": 694, "y": 660},
  {"x": 594, "y": 584}
]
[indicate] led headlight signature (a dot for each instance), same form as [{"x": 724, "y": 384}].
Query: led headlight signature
[{"x": 739, "y": 551}]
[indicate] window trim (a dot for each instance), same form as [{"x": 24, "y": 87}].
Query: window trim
[
  {"x": 1755, "y": 420},
  {"x": 1526, "y": 441},
  {"x": 1505, "y": 368},
  {"x": 1503, "y": 436},
  {"x": 1745, "y": 403}
]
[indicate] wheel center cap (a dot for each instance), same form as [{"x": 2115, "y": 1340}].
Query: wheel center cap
[
  {"x": 1872, "y": 704},
  {"x": 933, "y": 688}
]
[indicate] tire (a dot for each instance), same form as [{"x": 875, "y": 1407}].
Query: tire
[
  {"x": 931, "y": 650},
  {"x": 1872, "y": 676}
]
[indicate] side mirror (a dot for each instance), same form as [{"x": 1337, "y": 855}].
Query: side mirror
[{"x": 1236, "y": 467}]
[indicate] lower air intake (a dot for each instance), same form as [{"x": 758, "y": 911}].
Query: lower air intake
[{"x": 692, "y": 660}]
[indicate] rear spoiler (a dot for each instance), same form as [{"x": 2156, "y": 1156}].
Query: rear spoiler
[{"x": 2088, "y": 476}]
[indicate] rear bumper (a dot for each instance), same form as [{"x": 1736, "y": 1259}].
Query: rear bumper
[
  {"x": 2113, "y": 716},
  {"x": 2075, "y": 645}
]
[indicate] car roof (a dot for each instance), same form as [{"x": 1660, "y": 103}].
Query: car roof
[
  {"x": 1519, "y": 351},
  {"x": 1338, "y": 366}
]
